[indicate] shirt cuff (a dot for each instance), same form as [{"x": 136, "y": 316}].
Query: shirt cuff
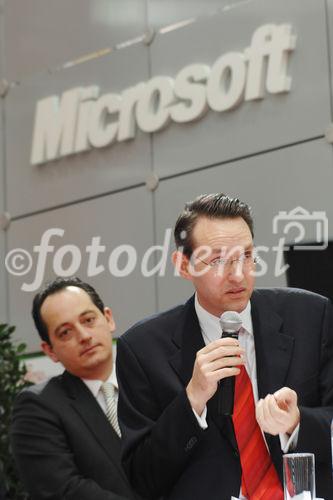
[
  {"x": 202, "y": 419},
  {"x": 289, "y": 442}
]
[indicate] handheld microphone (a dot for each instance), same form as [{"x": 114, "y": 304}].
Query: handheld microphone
[{"x": 231, "y": 323}]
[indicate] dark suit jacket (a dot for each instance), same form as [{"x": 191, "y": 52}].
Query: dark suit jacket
[
  {"x": 2, "y": 488},
  {"x": 64, "y": 446},
  {"x": 165, "y": 452}
]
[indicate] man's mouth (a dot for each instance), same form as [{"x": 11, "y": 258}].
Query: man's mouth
[
  {"x": 236, "y": 291},
  {"x": 88, "y": 349}
]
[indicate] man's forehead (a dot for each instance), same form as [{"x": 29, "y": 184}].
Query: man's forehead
[
  {"x": 209, "y": 230},
  {"x": 65, "y": 306},
  {"x": 76, "y": 290},
  {"x": 71, "y": 293}
]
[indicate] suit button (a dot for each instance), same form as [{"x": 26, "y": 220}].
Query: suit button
[
  {"x": 236, "y": 454},
  {"x": 190, "y": 443}
]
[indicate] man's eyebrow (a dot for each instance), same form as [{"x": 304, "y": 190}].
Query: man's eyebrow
[
  {"x": 87, "y": 311},
  {"x": 224, "y": 250},
  {"x": 217, "y": 251},
  {"x": 56, "y": 331}
]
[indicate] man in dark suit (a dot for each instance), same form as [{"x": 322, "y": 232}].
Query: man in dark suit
[
  {"x": 2, "y": 489},
  {"x": 65, "y": 432},
  {"x": 176, "y": 443}
]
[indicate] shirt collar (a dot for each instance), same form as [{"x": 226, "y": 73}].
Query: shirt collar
[
  {"x": 95, "y": 385},
  {"x": 210, "y": 323}
]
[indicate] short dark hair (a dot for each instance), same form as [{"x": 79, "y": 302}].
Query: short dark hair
[
  {"x": 212, "y": 206},
  {"x": 56, "y": 286}
]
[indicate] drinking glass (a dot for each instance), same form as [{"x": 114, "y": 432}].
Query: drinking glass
[{"x": 299, "y": 476}]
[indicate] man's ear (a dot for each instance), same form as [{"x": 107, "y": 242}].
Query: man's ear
[
  {"x": 181, "y": 263},
  {"x": 109, "y": 318},
  {"x": 48, "y": 350}
]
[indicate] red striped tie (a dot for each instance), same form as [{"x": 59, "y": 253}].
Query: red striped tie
[{"x": 259, "y": 477}]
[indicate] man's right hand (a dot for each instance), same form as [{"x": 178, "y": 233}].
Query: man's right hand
[{"x": 217, "y": 360}]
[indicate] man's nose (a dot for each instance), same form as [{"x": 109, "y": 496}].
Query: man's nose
[
  {"x": 236, "y": 271},
  {"x": 83, "y": 334}
]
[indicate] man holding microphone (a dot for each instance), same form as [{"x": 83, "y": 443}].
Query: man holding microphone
[{"x": 177, "y": 444}]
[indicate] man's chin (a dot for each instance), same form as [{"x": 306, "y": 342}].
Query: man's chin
[{"x": 238, "y": 304}]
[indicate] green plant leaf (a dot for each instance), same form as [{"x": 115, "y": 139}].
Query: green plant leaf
[
  {"x": 12, "y": 371},
  {"x": 21, "y": 348}
]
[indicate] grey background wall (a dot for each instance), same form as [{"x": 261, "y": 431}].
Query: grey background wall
[{"x": 272, "y": 153}]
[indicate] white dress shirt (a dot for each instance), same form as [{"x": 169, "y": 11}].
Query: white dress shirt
[
  {"x": 211, "y": 330},
  {"x": 94, "y": 387}
]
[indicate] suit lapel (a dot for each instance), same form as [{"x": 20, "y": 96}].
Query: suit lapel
[
  {"x": 274, "y": 345},
  {"x": 188, "y": 339},
  {"x": 92, "y": 414}
]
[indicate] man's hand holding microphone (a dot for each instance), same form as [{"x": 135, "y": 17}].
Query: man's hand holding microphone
[{"x": 216, "y": 367}]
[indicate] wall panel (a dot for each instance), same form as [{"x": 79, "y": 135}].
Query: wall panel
[
  {"x": 3, "y": 274},
  {"x": 41, "y": 34},
  {"x": 273, "y": 182},
  {"x": 121, "y": 219},
  {"x": 253, "y": 126},
  {"x": 37, "y": 187},
  {"x": 161, "y": 13}
]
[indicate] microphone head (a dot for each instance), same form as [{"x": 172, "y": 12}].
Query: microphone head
[{"x": 230, "y": 321}]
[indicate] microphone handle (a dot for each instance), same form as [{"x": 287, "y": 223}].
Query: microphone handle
[{"x": 227, "y": 388}]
